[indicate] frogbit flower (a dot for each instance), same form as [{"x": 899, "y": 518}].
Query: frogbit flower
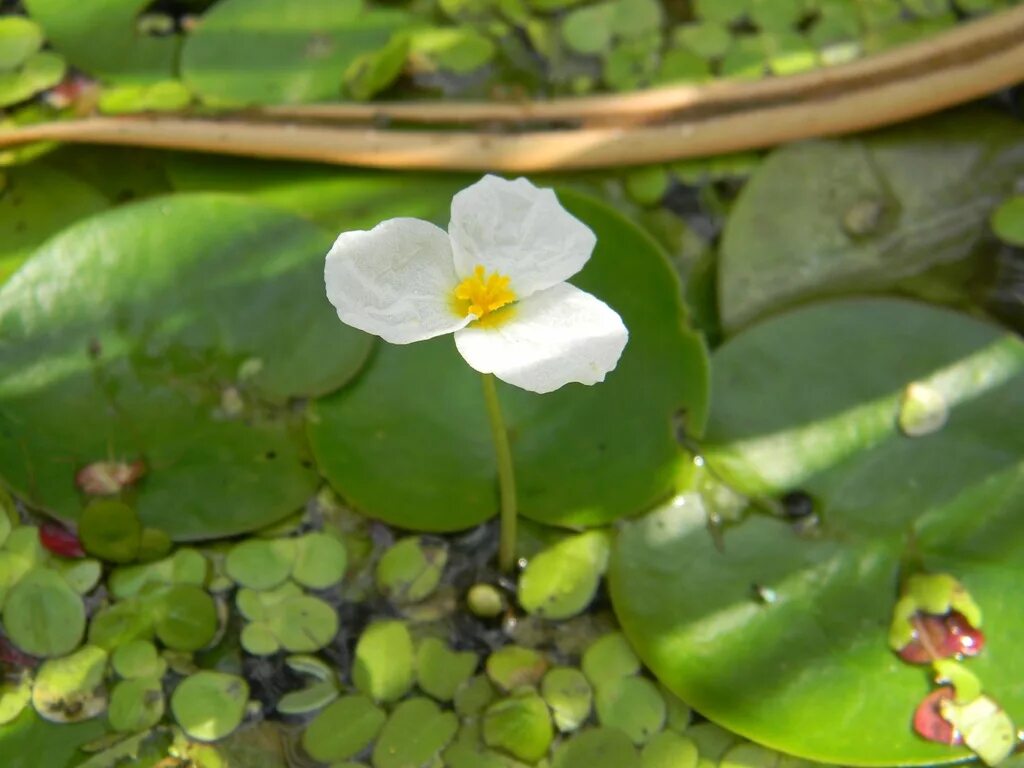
[{"x": 496, "y": 279}]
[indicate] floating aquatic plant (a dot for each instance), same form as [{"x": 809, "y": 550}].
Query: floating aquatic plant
[{"x": 497, "y": 281}]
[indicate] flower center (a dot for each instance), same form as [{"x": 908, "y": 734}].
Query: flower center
[{"x": 481, "y": 293}]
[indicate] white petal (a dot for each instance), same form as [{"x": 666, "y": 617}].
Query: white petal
[
  {"x": 554, "y": 337},
  {"x": 515, "y": 229},
  {"x": 395, "y": 281}
]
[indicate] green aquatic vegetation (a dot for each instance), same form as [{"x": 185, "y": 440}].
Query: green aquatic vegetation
[
  {"x": 1008, "y": 221},
  {"x": 415, "y": 734},
  {"x": 410, "y": 569},
  {"x": 210, "y": 705},
  {"x": 863, "y": 213},
  {"x": 102, "y": 39},
  {"x": 323, "y": 689},
  {"x": 569, "y": 695},
  {"x": 167, "y": 397},
  {"x": 136, "y": 705},
  {"x": 281, "y": 53},
  {"x": 871, "y": 485},
  {"x": 111, "y": 531},
  {"x": 15, "y": 695},
  {"x": 514, "y": 666},
  {"x": 561, "y": 580},
  {"x": 43, "y": 615},
  {"x": 36, "y": 73},
  {"x": 603, "y": 452},
  {"x": 343, "y": 729},
  {"x": 384, "y": 661},
  {"x": 440, "y": 671},
  {"x": 71, "y": 688},
  {"x": 520, "y": 725}
]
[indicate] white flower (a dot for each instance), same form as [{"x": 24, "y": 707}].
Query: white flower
[{"x": 496, "y": 280}]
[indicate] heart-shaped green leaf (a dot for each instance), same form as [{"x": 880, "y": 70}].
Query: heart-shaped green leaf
[
  {"x": 189, "y": 318},
  {"x": 409, "y": 441},
  {"x": 783, "y": 628}
]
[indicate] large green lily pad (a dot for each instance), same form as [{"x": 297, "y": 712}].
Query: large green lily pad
[
  {"x": 168, "y": 332},
  {"x": 36, "y": 202},
  {"x": 828, "y": 217},
  {"x": 409, "y": 442},
  {"x": 103, "y": 39},
  {"x": 781, "y": 633},
  {"x": 268, "y": 52}
]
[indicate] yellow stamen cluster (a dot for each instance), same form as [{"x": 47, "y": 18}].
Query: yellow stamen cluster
[{"x": 480, "y": 294}]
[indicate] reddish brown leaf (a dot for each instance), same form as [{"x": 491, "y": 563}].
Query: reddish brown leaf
[
  {"x": 928, "y": 721},
  {"x": 60, "y": 540},
  {"x": 942, "y": 637}
]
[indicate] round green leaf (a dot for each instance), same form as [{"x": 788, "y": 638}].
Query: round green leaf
[
  {"x": 120, "y": 623},
  {"x": 266, "y": 52},
  {"x": 110, "y": 530},
  {"x": 383, "y": 667},
  {"x": 261, "y": 563},
  {"x": 210, "y": 705},
  {"x": 138, "y": 659},
  {"x": 19, "y": 39},
  {"x": 583, "y": 455},
  {"x": 177, "y": 301},
  {"x": 415, "y": 734},
  {"x": 560, "y": 581},
  {"x": 569, "y": 696},
  {"x": 669, "y": 750},
  {"x": 826, "y": 421},
  {"x": 473, "y": 696},
  {"x": 1008, "y": 221},
  {"x": 707, "y": 39},
  {"x": 411, "y": 569},
  {"x": 70, "y": 689},
  {"x": 344, "y": 729},
  {"x": 514, "y": 666},
  {"x": 519, "y": 725},
  {"x": 136, "y": 705},
  {"x": 589, "y": 30},
  {"x": 440, "y": 671},
  {"x": 609, "y": 658},
  {"x": 597, "y": 748},
  {"x": 153, "y": 544},
  {"x": 186, "y": 617},
  {"x": 44, "y": 616},
  {"x": 258, "y": 638},
  {"x": 303, "y": 624},
  {"x": 82, "y": 574},
  {"x": 185, "y": 566},
  {"x": 320, "y": 561},
  {"x": 633, "y": 705}
]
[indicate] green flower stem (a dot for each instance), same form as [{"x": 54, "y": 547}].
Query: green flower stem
[{"x": 506, "y": 476}]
